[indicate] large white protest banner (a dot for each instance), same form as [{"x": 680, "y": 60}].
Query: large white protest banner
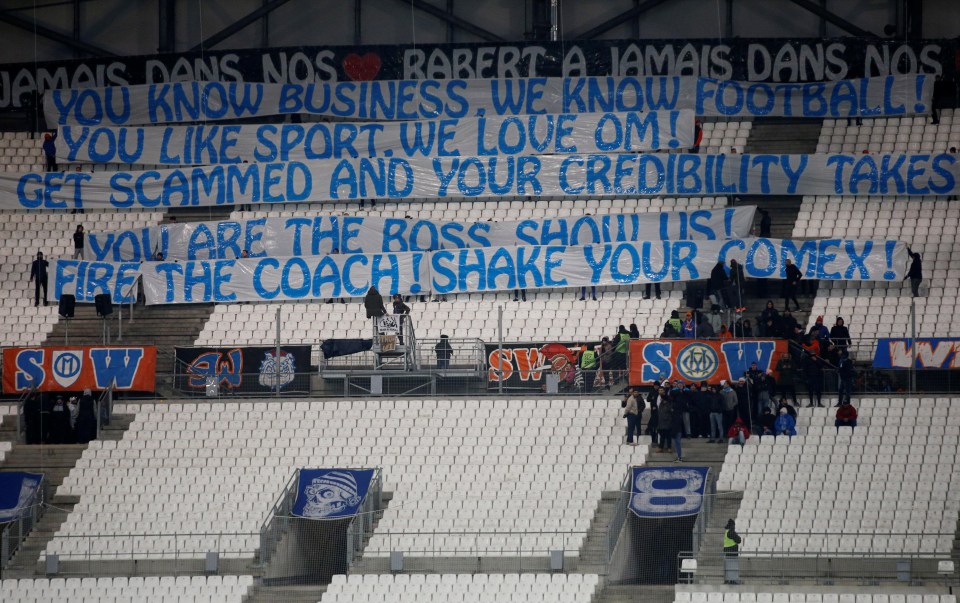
[
  {"x": 320, "y": 235},
  {"x": 476, "y": 269},
  {"x": 468, "y": 136},
  {"x": 430, "y": 99},
  {"x": 645, "y": 174}
]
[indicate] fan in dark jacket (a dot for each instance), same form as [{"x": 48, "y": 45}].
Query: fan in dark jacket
[
  {"x": 915, "y": 273},
  {"x": 86, "y": 418},
  {"x": 373, "y": 303},
  {"x": 716, "y": 283},
  {"x": 840, "y": 334}
]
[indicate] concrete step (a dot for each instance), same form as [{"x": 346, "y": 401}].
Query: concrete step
[
  {"x": 293, "y": 593},
  {"x": 594, "y": 550},
  {"x": 632, "y": 593},
  {"x": 25, "y": 560},
  {"x": 783, "y": 136}
]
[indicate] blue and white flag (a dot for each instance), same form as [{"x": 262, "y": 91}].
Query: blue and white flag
[
  {"x": 18, "y": 492},
  {"x": 331, "y": 493},
  {"x": 659, "y": 492}
]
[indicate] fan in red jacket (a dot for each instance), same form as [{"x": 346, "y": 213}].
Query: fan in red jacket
[
  {"x": 738, "y": 432},
  {"x": 846, "y": 416}
]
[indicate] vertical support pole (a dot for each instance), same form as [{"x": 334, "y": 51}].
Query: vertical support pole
[
  {"x": 357, "y": 22},
  {"x": 119, "y": 322},
  {"x": 277, "y": 357},
  {"x": 500, "y": 348},
  {"x": 823, "y": 22},
  {"x": 265, "y": 28},
  {"x": 913, "y": 345},
  {"x": 554, "y": 20},
  {"x": 450, "y": 29}
]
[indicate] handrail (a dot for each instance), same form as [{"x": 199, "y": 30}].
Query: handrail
[
  {"x": 104, "y": 408},
  {"x": 16, "y": 531},
  {"x": 21, "y": 418}
]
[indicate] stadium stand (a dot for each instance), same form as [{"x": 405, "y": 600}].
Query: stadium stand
[
  {"x": 854, "y": 509},
  {"x": 806, "y": 594},
  {"x": 533, "y": 588},
  {"x": 928, "y": 224},
  {"x": 216, "y": 589},
  {"x": 21, "y": 152},
  {"x": 178, "y": 467},
  {"x": 22, "y": 235}
]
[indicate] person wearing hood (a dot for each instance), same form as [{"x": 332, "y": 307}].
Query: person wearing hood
[
  {"x": 766, "y": 423},
  {"x": 846, "y": 416},
  {"x": 32, "y": 413},
  {"x": 373, "y": 303},
  {"x": 788, "y": 325},
  {"x": 724, "y": 333},
  {"x": 665, "y": 420},
  {"x": 738, "y": 432},
  {"x": 652, "y": 398},
  {"x": 60, "y": 432},
  {"x": 730, "y": 403},
  {"x": 444, "y": 351},
  {"x": 915, "y": 272},
  {"x": 840, "y": 334},
  {"x": 716, "y": 284},
  {"x": 704, "y": 328},
  {"x": 769, "y": 320},
  {"x": 731, "y": 540},
  {"x": 737, "y": 284},
  {"x": 86, "y": 418},
  {"x": 813, "y": 372},
  {"x": 631, "y": 412},
  {"x": 785, "y": 424},
  {"x": 634, "y": 331},
  {"x": 788, "y": 376},
  {"x": 715, "y": 403}
]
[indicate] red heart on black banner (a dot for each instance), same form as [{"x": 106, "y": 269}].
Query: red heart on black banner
[{"x": 361, "y": 68}]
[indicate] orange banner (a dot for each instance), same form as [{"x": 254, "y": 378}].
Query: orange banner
[
  {"x": 74, "y": 369},
  {"x": 700, "y": 360}
]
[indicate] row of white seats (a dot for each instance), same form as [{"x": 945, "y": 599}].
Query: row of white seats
[
  {"x": 695, "y": 594},
  {"x": 469, "y": 588},
  {"x": 219, "y": 589}
]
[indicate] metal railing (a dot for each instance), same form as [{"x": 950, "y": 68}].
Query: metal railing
[
  {"x": 21, "y": 413},
  {"x": 468, "y": 354},
  {"x": 272, "y": 528},
  {"x": 15, "y": 532}
]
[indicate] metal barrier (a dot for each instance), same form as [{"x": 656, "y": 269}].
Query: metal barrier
[{"x": 15, "y": 532}]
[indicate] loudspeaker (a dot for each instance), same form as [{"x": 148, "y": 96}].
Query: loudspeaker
[
  {"x": 67, "y": 305},
  {"x": 104, "y": 304}
]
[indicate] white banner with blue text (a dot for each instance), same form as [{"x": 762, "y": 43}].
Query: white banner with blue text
[
  {"x": 475, "y": 270},
  {"x": 644, "y": 174},
  {"x": 320, "y": 235},
  {"x": 204, "y": 144},
  {"x": 407, "y": 100}
]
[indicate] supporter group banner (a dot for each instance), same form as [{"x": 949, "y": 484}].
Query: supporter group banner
[
  {"x": 244, "y": 368},
  {"x": 659, "y": 493},
  {"x": 194, "y": 101},
  {"x": 331, "y": 493},
  {"x": 319, "y": 235},
  {"x": 76, "y": 368},
  {"x": 473, "y": 270},
  {"x": 466, "y": 136},
  {"x": 643, "y": 174},
  {"x": 523, "y": 365},
  {"x": 700, "y": 360},
  {"x": 746, "y": 59},
  {"x": 930, "y": 353}
]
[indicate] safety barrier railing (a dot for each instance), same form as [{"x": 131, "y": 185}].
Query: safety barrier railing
[{"x": 15, "y": 532}]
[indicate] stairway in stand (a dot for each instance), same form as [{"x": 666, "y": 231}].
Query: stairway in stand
[{"x": 55, "y": 461}]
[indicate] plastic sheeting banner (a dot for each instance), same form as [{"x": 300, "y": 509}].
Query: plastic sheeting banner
[
  {"x": 18, "y": 492},
  {"x": 331, "y": 493},
  {"x": 76, "y": 368},
  {"x": 658, "y": 492},
  {"x": 320, "y": 235},
  {"x": 468, "y": 136},
  {"x": 930, "y": 353},
  {"x": 700, "y": 360},
  {"x": 480, "y": 269},
  {"x": 429, "y": 98},
  {"x": 645, "y": 174}
]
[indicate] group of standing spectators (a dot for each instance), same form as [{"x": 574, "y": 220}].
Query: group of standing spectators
[{"x": 58, "y": 420}]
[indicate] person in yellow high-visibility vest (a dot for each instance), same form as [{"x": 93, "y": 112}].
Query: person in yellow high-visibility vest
[
  {"x": 731, "y": 540},
  {"x": 588, "y": 364}
]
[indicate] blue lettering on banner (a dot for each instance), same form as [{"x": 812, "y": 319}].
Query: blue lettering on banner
[
  {"x": 657, "y": 492},
  {"x": 116, "y": 366},
  {"x": 740, "y": 354},
  {"x": 331, "y": 493},
  {"x": 921, "y": 353},
  {"x": 30, "y": 371}
]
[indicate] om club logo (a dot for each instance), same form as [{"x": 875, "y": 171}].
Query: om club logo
[
  {"x": 697, "y": 362},
  {"x": 66, "y": 367}
]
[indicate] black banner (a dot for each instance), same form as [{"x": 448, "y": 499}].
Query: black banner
[
  {"x": 524, "y": 365},
  {"x": 756, "y": 59},
  {"x": 247, "y": 370}
]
